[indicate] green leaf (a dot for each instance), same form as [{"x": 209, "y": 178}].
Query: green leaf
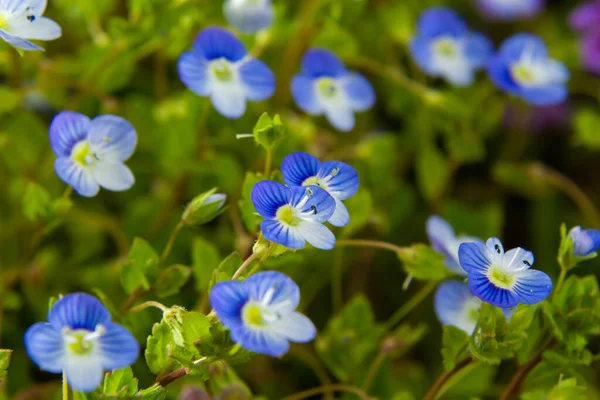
[
  {"x": 155, "y": 392},
  {"x": 36, "y": 202},
  {"x": 586, "y": 129},
  {"x": 205, "y": 259},
  {"x": 433, "y": 172},
  {"x": 568, "y": 389},
  {"x": 249, "y": 216},
  {"x": 141, "y": 268},
  {"x": 157, "y": 356},
  {"x": 171, "y": 280},
  {"x": 120, "y": 382},
  {"x": 188, "y": 327},
  {"x": 9, "y": 100},
  {"x": 523, "y": 179},
  {"x": 454, "y": 343},
  {"x": 424, "y": 263},
  {"x": 267, "y": 132},
  {"x": 4, "y": 361},
  {"x": 226, "y": 269}
]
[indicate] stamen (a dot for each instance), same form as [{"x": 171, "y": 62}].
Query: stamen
[
  {"x": 497, "y": 247},
  {"x": 313, "y": 208}
]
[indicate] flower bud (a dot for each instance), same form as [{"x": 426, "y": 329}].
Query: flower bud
[
  {"x": 204, "y": 208},
  {"x": 585, "y": 241},
  {"x": 268, "y": 131}
]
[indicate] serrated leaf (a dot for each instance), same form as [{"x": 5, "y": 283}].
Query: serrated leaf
[
  {"x": 424, "y": 263},
  {"x": 205, "y": 260},
  {"x": 157, "y": 355},
  {"x": 155, "y": 392},
  {"x": 141, "y": 268},
  {"x": 226, "y": 269},
  {"x": 120, "y": 382},
  {"x": 249, "y": 216},
  {"x": 454, "y": 342},
  {"x": 4, "y": 361},
  {"x": 171, "y": 280}
]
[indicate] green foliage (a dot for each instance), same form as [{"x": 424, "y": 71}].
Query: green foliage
[
  {"x": 141, "y": 268},
  {"x": 201, "y": 210},
  {"x": 36, "y": 202},
  {"x": 120, "y": 383},
  {"x": 4, "y": 361},
  {"x": 171, "y": 280},
  {"x": 454, "y": 343},
  {"x": 226, "y": 269},
  {"x": 249, "y": 216},
  {"x": 206, "y": 259},
  {"x": 267, "y": 132},
  {"x": 424, "y": 263},
  {"x": 586, "y": 129}
]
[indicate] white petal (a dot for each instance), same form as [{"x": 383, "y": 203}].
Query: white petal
[
  {"x": 84, "y": 373},
  {"x": 340, "y": 216},
  {"x": 295, "y": 327},
  {"x": 228, "y": 98},
  {"x": 41, "y": 28},
  {"x": 339, "y": 112},
  {"x": 316, "y": 234},
  {"x": 113, "y": 175}
]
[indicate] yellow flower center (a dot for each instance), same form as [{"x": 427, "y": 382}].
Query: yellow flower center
[
  {"x": 252, "y": 315},
  {"x": 81, "y": 153},
  {"x": 327, "y": 87},
  {"x": 522, "y": 74},
  {"x": 312, "y": 181},
  {"x": 222, "y": 70},
  {"x": 500, "y": 278},
  {"x": 285, "y": 214},
  {"x": 445, "y": 47}
]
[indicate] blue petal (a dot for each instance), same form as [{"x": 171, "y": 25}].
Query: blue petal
[
  {"x": 320, "y": 62},
  {"x": 260, "y": 341},
  {"x": 214, "y": 43},
  {"x": 249, "y": 17},
  {"x": 78, "y": 311},
  {"x": 279, "y": 286},
  {"x": 193, "y": 72},
  {"x": 420, "y": 50},
  {"x": 518, "y": 259},
  {"x": 478, "y": 50},
  {"x": 268, "y": 196},
  {"x": 440, "y": 235},
  {"x": 295, "y": 327},
  {"x": 320, "y": 204},
  {"x": 228, "y": 98},
  {"x": 450, "y": 302},
  {"x": 317, "y": 234},
  {"x": 474, "y": 257},
  {"x": 74, "y": 175},
  {"x": 44, "y": 345},
  {"x": 118, "y": 346},
  {"x": 532, "y": 286},
  {"x": 282, "y": 234},
  {"x": 546, "y": 95},
  {"x": 585, "y": 242},
  {"x": 361, "y": 94},
  {"x": 66, "y": 130},
  {"x": 436, "y": 21},
  {"x": 481, "y": 287},
  {"x": 513, "y": 48},
  {"x": 343, "y": 181},
  {"x": 499, "y": 73},
  {"x": 340, "y": 216},
  {"x": 19, "y": 43},
  {"x": 303, "y": 91},
  {"x": 298, "y": 167},
  {"x": 227, "y": 299},
  {"x": 112, "y": 138},
  {"x": 258, "y": 80}
]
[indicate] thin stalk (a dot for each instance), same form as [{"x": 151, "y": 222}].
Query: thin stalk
[
  {"x": 374, "y": 369},
  {"x": 148, "y": 304},
  {"x": 369, "y": 243},
  {"x": 410, "y": 305},
  {"x": 438, "y": 385},
  {"x": 178, "y": 373},
  {"x": 327, "y": 389},
  {"x": 67, "y": 193},
  {"x": 15, "y": 78},
  {"x": 268, "y": 162},
  {"x": 65, "y": 386},
  {"x": 171, "y": 241},
  {"x": 244, "y": 265},
  {"x": 514, "y": 386},
  {"x": 561, "y": 280}
]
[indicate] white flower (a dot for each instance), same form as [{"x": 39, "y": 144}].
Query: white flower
[{"x": 21, "y": 21}]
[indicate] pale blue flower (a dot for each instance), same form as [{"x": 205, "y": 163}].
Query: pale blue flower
[
  {"x": 249, "y": 16},
  {"x": 455, "y": 305},
  {"x": 585, "y": 241},
  {"x": 21, "y": 21},
  {"x": 511, "y": 10},
  {"x": 445, "y": 241}
]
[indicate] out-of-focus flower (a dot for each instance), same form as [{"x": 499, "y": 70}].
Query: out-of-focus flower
[
  {"x": 249, "y": 16},
  {"x": 503, "y": 279},
  {"x": 91, "y": 153},
  {"x": 585, "y": 241},
  {"x": 204, "y": 208},
  {"x": 455, "y": 305},
  {"x": 586, "y": 17},
  {"x": 21, "y": 21},
  {"x": 219, "y": 67},
  {"x": 510, "y": 10},
  {"x": 523, "y": 68},
  {"x": 294, "y": 216},
  {"x": 339, "y": 179},
  {"x": 81, "y": 340},
  {"x": 445, "y": 47},
  {"x": 326, "y": 87},
  {"x": 261, "y": 312}
]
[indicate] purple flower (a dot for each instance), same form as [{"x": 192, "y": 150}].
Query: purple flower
[
  {"x": 510, "y": 10},
  {"x": 585, "y": 18}
]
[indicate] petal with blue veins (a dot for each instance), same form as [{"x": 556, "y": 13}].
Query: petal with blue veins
[
  {"x": 258, "y": 80},
  {"x": 76, "y": 176},
  {"x": 260, "y": 341},
  {"x": 283, "y": 234},
  {"x": 268, "y": 196},
  {"x": 474, "y": 257},
  {"x": 318, "y": 235},
  {"x": 340, "y": 216},
  {"x": 118, "y": 347},
  {"x": 112, "y": 137},
  {"x": 339, "y": 178},
  {"x": 78, "y": 311},
  {"x": 44, "y": 345},
  {"x": 305, "y": 96},
  {"x": 315, "y": 203},
  {"x": 320, "y": 62},
  {"x": 66, "y": 130},
  {"x": 359, "y": 91},
  {"x": 481, "y": 287},
  {"x": 112, "y": 175},
  {"x": 214, "y": 43},
  {"x": 274, "y": 289},
  {"x": 518, "y": 259},
  {"x": 532, "y": 286},
  {"x": 18, "y": 42},
  {"x": 227, "y": 299},
  {"x": 295, "y": 327},
  {"x": 298, "y": 167},
  {"x": 193, "y": 72}
]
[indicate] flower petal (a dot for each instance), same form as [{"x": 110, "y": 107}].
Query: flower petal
[
  {"x": 44, "y": 346},
  {"x": 319, "y": 206},
  {"x": 474, "y": 256},
  {"x": 305, "y": 96},
  {"x": 585, "y": 17},
  {"x": 340, "y": 178},
  {"x": 67, "y": 129},
  {"x": 18, "y": 42},
  {"x": 41, "y": 28},
  {"x": 74, "y": 175},
  {"x": 277, "y": 232},
  {"x": 523, "y": 43},
  {"x": 112, "y": 175},
  {"x": 84, "y": 372},
  {"x": 436, "y": 21},
  {"x": 455, "y": 305},
  {"x": 268, "y": 196},
  {"x": 340, "y": 115},
  {"x": 298, "y": 167},
  {"x": 283, "y": 291},
  {"x": 258, "y": 80},
  {"x": 532, "y": 286},
  {"x": 340, "y": 216},
  {"x": 295, "y": 327},
  {"x": 112, "y": 137},
  {"x": 21, "y": 7},
  {"x": 228, "y": 98},
  {"x": 495, "y": 251},
  {"x": 440, "y": 234},
  {"x": 193, "y": 72},
  {"x": 481, "y": 287},
  {"x": 359, "y": 91},
  {"x": 316, "y": 234},
  {"x": 118, "y": 347},
  {"x": 249, "y": 16},
  {"x": 260, "y": 341},
  {"x": 320, "y": 62},
  {"x": 518, "y": 259},
  {"x": 78, "y": 311},
  {"x": 547, "y": 95},
  {"x": 214, "y": 43},
  {"x": 478, "y": 50},
  {"x": 227, "y": 299},
  {"x": 585, "y": 241}
]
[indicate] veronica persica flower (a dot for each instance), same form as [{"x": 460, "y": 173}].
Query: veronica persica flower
[
  {"x": 249, "y": 16},
  {"x": 81, "y": 340},
  {"x": 339, "y": 179},
  {"x": 326, "y": 87},
  {"x": 503, "y": 279},
  {"x": 445, "y": 47},
  {"x": 585, "y": 19},
  {"x": 585, "y": 241},
  {"x": 455, "y": 305},
  {"x": 294, "y": 216},
  {"x": 91, "y": 153},
  {"x": 21, "y": 20},
  {"x": 523, "y": 68},
  {"x": 444, "y": 240},
  {"x": 220, "y": 67},
  {"x": 510, "y": 10},
  {"x": 261, "y": 312}
]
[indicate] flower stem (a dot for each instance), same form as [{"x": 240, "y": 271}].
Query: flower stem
[
  {"x": 410, "y": 305},
  {"x": 171, "y": 241},
  {"x": 178, "y": 373},
  {"x": 561, "y": 280},
  {"x": 438, "y": 385},
  {"x": 65, "y": 386},
  {"x": 369, "y": 243},
  {"x": 244, "y": 265},
  {"x": 68, "y": 192},
  {"x": 148, "y": 304},
  {"x": 513, "y": 387},
  {"x": 268, "y": 162},
  {"x": 327, "y": 389}
]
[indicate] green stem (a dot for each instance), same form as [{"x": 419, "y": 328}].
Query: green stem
[
  {"x": 410, "y": 305},
  {"x": 148, "y": 304},
  {"x": 268, "y": 162},
  {"x": 67, "y": 193},
  {"x": 171, "y": 241},
  {"x": 438, "y": 385},
  {"x": 369, "y": 243},
  {"x": 327, "y": 389},
  {"x": 65, "y": 386},
  {"x": 561, "y": 280},
  {"x": 15, "y": 79},
  {"x": 337, "y": 296},
  {"x": 244, "y": 265}
]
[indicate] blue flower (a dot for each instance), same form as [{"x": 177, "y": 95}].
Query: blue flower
[
  {"x": 523, "y": 68},
  {"x": 80, "y": 339},
  {"x": 91, "y": 154},
  {"x": 585, "y": 241},
  {"x": 294, "y": 216},
  {"x": 446, "y": 242},
  {"x": 249, "y": 16},
  {"x": 220, "y": 67},
  {"x": 503, "y": 279},
  {"x": 260, "y": 312},
  {"x": 455, "y": 305},
  {"x": 511, "y": 9},
  {"x": 444, "y": 47},
  {"x": 22, "y": 19},
  {"x": 326, "y": 87},
  {"x": 339, "y": 179}
]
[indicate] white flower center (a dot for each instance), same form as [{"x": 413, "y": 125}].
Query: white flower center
[
  {"x": 291, "y": 215},
  {"x": 222, "y": 70},
  {"x": 83, "y": 155},
  {"x": 328, "y": 87},
  {"x": 447, "y": 47},
  {"x": 260, "y": 314},
  {"x": 500, "y": 277},
  {"x": 81, "y": 341}
]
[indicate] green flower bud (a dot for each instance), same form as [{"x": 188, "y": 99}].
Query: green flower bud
[
  {"x": 268, "y": 131},
  {"x": 204, "y": 208}
]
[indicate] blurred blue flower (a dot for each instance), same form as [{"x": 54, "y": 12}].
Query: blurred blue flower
[
  {"x": 339, "y": 179},
  {"x": 91, "y": 154},
  {"x": 585, "y": 19},
  {"x": 249, "y": 16},
  {"x": 445, "y": 47},
  {"x": 260, "y": 312},
  {"x": 511, "y": 10},
  {"x": 21, "y": 20},
  {"x": 294, "y": 216},
  {"x": 326, "y": 87},
  {"x": 220, "y": 67},
  {"x": 455, "y": 305},
  {"x": 503, "y": 279},
  {"x": 585, "y": 241},
  {"x": 523, "y": 68},
  {"x": 446, "y": 242},
  {"x": 80, "y": 339}
]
